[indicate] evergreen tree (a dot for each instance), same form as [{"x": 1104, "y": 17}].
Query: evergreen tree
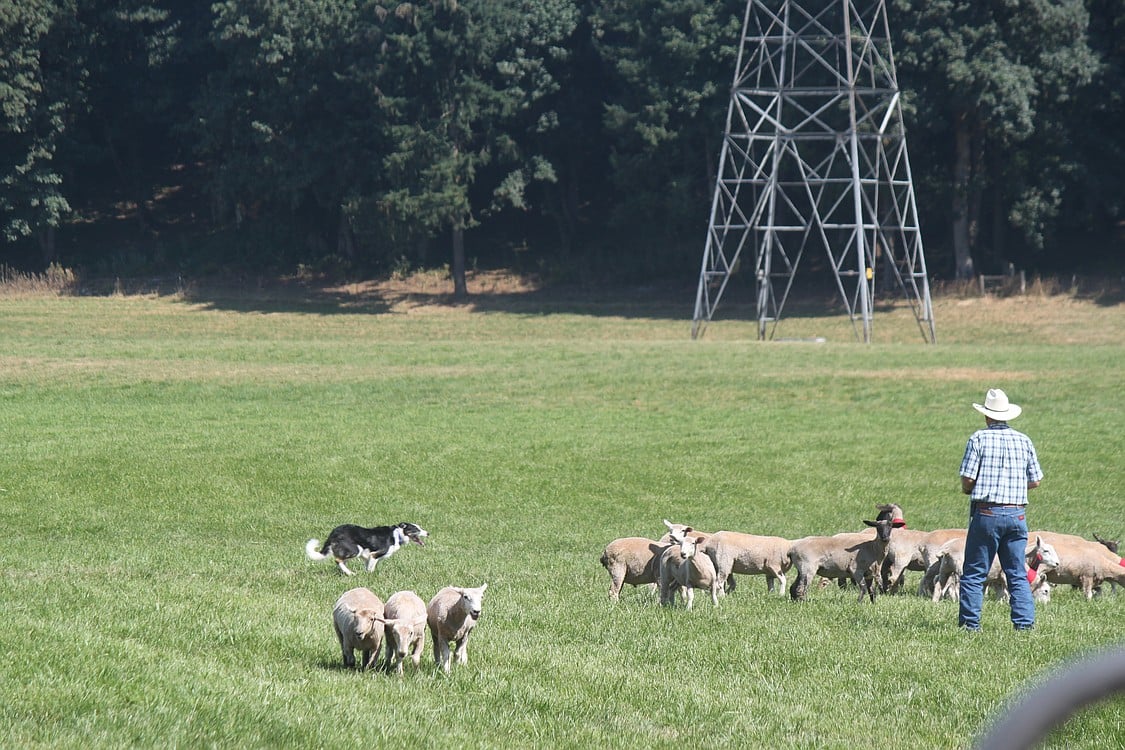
[
  {"x": 988, "y": 69},
  {"x": 36, "y": 95},
  {"x": 467, "y": 80}
]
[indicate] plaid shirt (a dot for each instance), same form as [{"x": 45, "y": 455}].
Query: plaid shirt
[{"x": 1003, "y": 461}]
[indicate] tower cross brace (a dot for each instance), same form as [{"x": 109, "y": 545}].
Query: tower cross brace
[{"x": 814, "y": 157}]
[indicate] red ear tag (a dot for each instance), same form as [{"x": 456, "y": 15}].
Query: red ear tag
[
  {"x": 1121, "y": 562},
  {"x": 1032, "y": 574}
]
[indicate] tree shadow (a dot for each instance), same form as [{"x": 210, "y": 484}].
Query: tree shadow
[{"x": 663, "y": 300}]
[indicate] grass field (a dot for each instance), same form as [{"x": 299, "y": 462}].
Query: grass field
[{"x": 164, "y": 459}]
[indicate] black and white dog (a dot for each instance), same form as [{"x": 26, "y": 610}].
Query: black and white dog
[{"x": 375, "y": 544}]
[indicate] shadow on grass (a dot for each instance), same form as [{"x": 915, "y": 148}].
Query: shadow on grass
[
  {"x": 666, "y": 300},
  {"x": 501, "y": 292}
]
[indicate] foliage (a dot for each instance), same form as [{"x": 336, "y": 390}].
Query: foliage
[
  {"x": 672, "y": 63},
  {"x": 33, "y": 105},
  {"x": 563, "y": 135},
  {"x": 998, "y": 68}
]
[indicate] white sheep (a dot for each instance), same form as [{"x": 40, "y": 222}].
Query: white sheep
[
  {"x": 749, "y": 554},
  {"x": 452, "y": 614},
  {"x": 931, "y": 552},
  {"x": 404, "y": 622},
  {"x": 683, "y": 566},
  {"x": 1083, "y": 563},
  {"x": 357, "y": 619},
  {"x": 916, "y": 550},
  {"x": 1041, "y": 558},
  {"x": 857, "y": 556},
  {"x": 634, "y": 560}
]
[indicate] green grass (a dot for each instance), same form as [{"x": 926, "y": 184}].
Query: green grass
[{"x": 163, "y": 462}]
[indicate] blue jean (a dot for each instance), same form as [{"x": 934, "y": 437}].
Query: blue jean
[{"x": 996, "y": 531}]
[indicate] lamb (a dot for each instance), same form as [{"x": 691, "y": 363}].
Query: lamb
[
  {"x": 357, "y": 619},
  {"x": 452, "y": 614},
  {"x": 1083, "y": 563},
  {"x": 844, "y": 555},
  {"x": 1041, "y": 558},
  {"x": 913, "y": 550},
  {"x": 887, "y": 512},
  {"x": 634, "y": 560},
  {"x": 404, "y": 625},
  {"x": 749, "y": 554},
  {"x": 931, "y": 552},
  {"x": 683, "y": 565}
]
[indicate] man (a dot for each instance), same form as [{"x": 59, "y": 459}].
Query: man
[{"x": 998, "y": 469}]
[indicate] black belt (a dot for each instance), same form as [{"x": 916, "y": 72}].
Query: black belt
[{"x": 981, "y": 504}]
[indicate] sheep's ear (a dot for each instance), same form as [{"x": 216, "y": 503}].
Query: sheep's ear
[
  {"x": 1039, "y": 540},
  {"x": 870, "y": 523},
  {"x": 483, "y": 586},
  {"x": 668, "y": 524}
]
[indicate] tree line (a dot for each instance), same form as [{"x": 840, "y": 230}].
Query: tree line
[{"x": 566, "y": 135}]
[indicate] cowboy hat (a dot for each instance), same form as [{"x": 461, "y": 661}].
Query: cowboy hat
[{"x": 996, "y": 406}]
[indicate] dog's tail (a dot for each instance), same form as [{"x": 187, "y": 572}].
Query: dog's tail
[{"x": 312, "y": 552}]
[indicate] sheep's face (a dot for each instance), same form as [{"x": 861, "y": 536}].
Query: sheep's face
[
  {"x": 1044, "y": 555},
  {"x": 688, "y": 547},
  {"x": 883, "y": 527},
  {"x": 471, "y": 600},
  {"x": 400, "y": 633},
  {"x": 365, "y": 622}
]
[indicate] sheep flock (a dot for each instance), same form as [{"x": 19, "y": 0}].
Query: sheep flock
[{"x": 875, "y": 559}]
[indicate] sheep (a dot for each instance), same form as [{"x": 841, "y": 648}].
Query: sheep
[
  {"x": 452, "y": 614},
  {"x": 910, "y": 549},
  {"x": 1083, "y": 563},
  {"x": 683, "y": 565},
  {"x": 842, "y": 555},
  {"x": 1041, "y": 557},
  {"x": 887, "y": 512},
  {"x": 931, "y": 551},
  {"x": 357, "y": 619},
  {"x": 404, "y": 625},
  {"x": 748, "y": 554},
  {"x": 634, "y": 560}
]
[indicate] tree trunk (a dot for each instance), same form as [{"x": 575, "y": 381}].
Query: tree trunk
[
  {"x": 460, "y": 290},
  {"x": 977, "y": 180},
  {"x": 46, "y": 237},
  {"x": 345, "y": 239},
  {"x": 962, "y": 175}
]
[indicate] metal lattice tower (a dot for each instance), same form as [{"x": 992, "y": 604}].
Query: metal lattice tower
[{"x": 814, "y": 156}]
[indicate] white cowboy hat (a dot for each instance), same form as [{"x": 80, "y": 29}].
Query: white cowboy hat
[{"x": 996, "y": 405}]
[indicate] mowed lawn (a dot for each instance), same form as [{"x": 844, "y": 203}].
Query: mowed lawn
[{"x": 164, "y": 459}]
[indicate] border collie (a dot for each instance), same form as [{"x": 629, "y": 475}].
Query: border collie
[{"x": 374, "y": 544}]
